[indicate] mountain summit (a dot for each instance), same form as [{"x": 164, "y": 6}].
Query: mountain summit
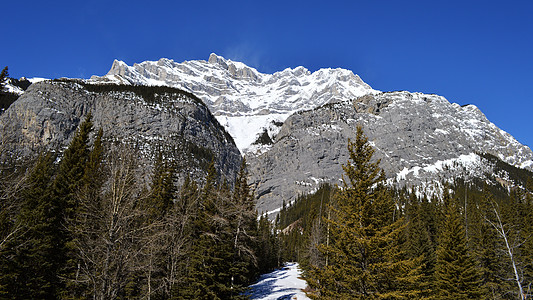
[
  {"x": 293, "y": 126},
  {"x": 244, "y": 100}
]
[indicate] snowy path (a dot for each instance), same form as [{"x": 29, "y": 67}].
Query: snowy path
[{"x": 280, "y": 284}]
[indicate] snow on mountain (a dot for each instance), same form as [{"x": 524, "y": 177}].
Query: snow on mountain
[
  {"x": 421, "y": 140},
  {"x": 244, "y": 100}
]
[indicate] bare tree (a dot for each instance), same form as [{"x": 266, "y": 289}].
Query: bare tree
[
  {"x": 108, "y": 233},
  {"x": 504, "y": 232},
  {"x": 13, "y": 179}
]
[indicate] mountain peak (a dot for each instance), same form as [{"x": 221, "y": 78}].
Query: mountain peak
[
  {"x": 244, "y": 100},
  {"x": 217, "y": 59}
]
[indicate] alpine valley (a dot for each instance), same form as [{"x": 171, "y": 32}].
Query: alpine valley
[
  {"x": 167, "y": 180},
  {"x": 291, "y": 126}
]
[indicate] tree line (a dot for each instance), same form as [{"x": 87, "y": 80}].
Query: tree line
[
  {"x": 84, "y": 225},
  {"x": 364, "y": 240}
]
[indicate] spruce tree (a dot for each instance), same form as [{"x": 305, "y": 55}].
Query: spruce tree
[
  {"x": 456, "y": 273},
  {"x": 3, "y": 76},
  {"x": 242, "y": 216},
  {"x": 420, "y": 241},
  {"x": 65, "y": 188},
  {"x": 30, "y": 263},
  {"x": 208, "y": 270},
  {"x": 85, "y": 223},
  {"x": 364, "y": 257}
]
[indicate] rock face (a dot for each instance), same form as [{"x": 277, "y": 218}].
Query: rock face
[
  {"x": 149, "y": 118},
  {"x": 419, "y": 138},
  {"x": 244, "y": 100},
  {"x": 293, "y": 126}
]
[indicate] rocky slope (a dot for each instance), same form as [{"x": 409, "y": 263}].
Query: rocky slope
[
  {"x": 151, "y": 119},
  {"x": 244, "y": 100},
  {"x": 292, "y": 125},
  {"x": 420, "y": 139}
]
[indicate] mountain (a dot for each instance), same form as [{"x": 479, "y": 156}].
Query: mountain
[
  {"x": 149, "y": 119},
  {"x": 420, "y": 139},
  {"x": 294, "y": 125},
  {"x": 244, "y": 100}
]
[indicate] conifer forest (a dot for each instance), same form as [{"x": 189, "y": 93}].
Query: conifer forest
[{"x": 83, "y": 225}]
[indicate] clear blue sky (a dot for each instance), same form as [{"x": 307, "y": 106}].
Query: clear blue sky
[{"x": 471, "y": 52}]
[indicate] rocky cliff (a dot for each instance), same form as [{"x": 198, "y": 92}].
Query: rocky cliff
[
  {"x": 420, "y": 139},
  {"x": 150, "y": 119}
]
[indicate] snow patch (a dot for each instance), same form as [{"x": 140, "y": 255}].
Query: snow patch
[
  {"x": 285, "y": 283},
  {"x": 470, "y": 161}
]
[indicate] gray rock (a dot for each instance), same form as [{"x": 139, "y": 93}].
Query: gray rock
[
  {"x": 418, "y": 138},
  {"x": 176, "y": 123}
]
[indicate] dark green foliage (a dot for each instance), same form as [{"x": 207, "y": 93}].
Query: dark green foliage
[
  {"x": 3, "y": 77},
  {"x": 199, "y": 152},
  {"x": 161, "y": 190},
  {"x": 297, "y": 223},
  {"x": 420, "y": 237},
  {"x": 148, "y": 93},
  {"x": 456, "y": 275},
  {"x": 6, "y": 99},
  {"x": 30, "y": 262},
  {"x": 268, "y": 246},
  {"x": 72, "y": 168},
  {"x": 517, "y": 175},
  {"x": 364, "y": 258}
]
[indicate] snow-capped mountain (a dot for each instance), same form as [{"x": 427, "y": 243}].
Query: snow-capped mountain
[
  {"x": 293, "y": 125},
  {"x": 245, "y": 101}
]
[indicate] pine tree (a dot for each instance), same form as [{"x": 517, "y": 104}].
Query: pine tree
[
  {"x": 65, "y": 188},
  {"x": 420, "y": 241},
  {"x": 364, "y": 258},
  {"x": 72, "y": 168},
  {"x": 484, "y": 243},
  {"x": 3, "y": 76},
  {"x": 207, "y": 273},
  {"x": 85, "y": 224},
  {"x": 243, "y": 222},
  {"x": 30, "y": 263},
  {"x": 158, "y": 222},
  {"x": 456, "y": 274},
  {"x": 161, "y": 190}
]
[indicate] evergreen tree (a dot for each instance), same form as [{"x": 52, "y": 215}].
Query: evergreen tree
[
  {"x": 72, "y": 168},
  {"x": 161, "y": 190},
  {"x": 157, "y": 208},
  {"x": 364, "y": 258},
  {"x": 85, "y": 222},
  {"x": 456, "y": 275},
  {"x": 243, "y": 225},
  {"x": 420, "y": 242},
  {"x": 208, "y": 274},
  {"x": 30, "y": 263},
  {"x": 65, "y": 188},
  {"x": 3, "y": 76},
  {"x": 484, "y": 244}
]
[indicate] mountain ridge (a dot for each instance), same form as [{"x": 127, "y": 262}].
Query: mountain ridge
[
  {"x": 293, "y": 125},
  {"x": 240, "y": 96}
]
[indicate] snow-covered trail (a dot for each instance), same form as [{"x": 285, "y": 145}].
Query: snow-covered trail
[{"x": 280, "y": 284}]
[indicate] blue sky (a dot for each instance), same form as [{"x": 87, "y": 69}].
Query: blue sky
[{"x": 471, "y": 52}]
